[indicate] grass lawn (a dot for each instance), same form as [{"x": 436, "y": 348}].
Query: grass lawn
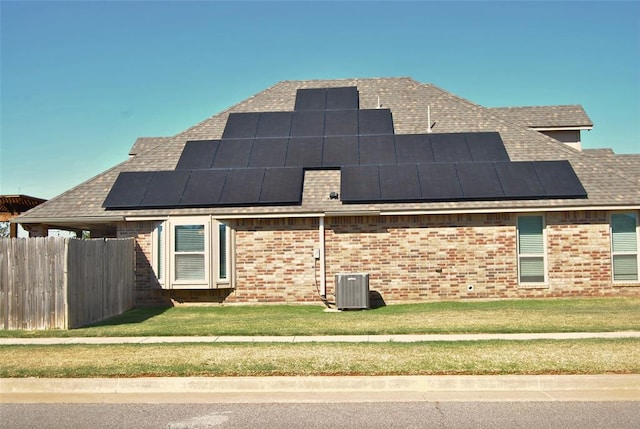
[
  {"x": 595, "y": 356},
  {"x": 306, "y": 359},
  {"x": 505, "y": 316}
]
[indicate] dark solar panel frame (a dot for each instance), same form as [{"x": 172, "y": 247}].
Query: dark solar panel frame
[
  {"x": 311, "y": 99},
  {"x": 308, "y": 123},
  {"x": 359, "y": 183},
  {"x": 204, "y": 188},
  {"x": 241, "y": 125},
  {"x": 341, "y": 123},
  {"x": 439, "y": 182},
  {"x": 233, "y": 153},
  {"x": 413, "y": 148},
  {"x": 342, "y": 98},
  {"x": 399, "y": 183},
  {"x": 450, "y": 148},
  {"x": 165, "y": 188},
  {"x": 274, "y": 124},
  {"x": 128, "y": 190},
  {"x": 486, "y": 147},
  {"x": 378, "y": 149},
  {"x": 268, "y": 152},
  {"x": 479, "y": 181},
  {"x": 282, "y": 186},
  {"x": 197, "y": 154},
  {"x": 242, "y": 186},
  {"x": 375, "y": 121},
  {"x": 304, "y": 152},
  {"x": 339, "y": 151},
  {"x": 559, "y": 179}
]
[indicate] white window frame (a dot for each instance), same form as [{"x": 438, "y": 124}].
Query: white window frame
[
  {"x": 525, "y": 284},
  {"x": 159, "y": 244},
  {"x": 206, "y": 253},
  {"x": 212, "y": 254},
  {"x": 636, "y": 253}
]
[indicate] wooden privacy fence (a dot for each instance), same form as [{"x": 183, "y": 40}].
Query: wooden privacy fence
[{"x": 64, "y": 283}]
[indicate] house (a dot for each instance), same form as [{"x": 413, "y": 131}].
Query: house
[{"x": 433, "y": 196}]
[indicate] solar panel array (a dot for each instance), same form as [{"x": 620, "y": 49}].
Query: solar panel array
[{"x": 261, "y": 159}]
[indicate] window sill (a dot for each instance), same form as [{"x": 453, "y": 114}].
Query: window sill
[{"x": 533, "y": 286}]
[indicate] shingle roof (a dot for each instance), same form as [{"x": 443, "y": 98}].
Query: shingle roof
[
  {"x": 408, "y": 101},
  {"x": 546, "y": 116},
  {"x": 143, "y": 144}
]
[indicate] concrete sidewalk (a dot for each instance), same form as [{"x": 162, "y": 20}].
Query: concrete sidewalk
[{"x": 318, "y": 339}]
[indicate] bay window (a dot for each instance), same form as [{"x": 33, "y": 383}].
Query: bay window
[{"x": 197, "y": 250}]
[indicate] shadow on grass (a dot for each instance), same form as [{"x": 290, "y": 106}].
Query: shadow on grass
[{"x": 131, "y": 317}]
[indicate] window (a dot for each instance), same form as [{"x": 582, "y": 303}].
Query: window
[
  {"x": 531, "y": 249},
  {"x": 158, "y": 256},
  {"x": 624, "y": 247},
  {"x": 192, "y": 253},
  {"x": 189, "y": 252},
  {"x": 223, "y": 251}
]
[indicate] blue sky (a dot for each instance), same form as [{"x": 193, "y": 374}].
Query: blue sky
[{"x": 81, "y": 80}]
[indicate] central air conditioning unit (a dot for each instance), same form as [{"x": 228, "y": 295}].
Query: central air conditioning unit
[{"x": 352, "y": 291}]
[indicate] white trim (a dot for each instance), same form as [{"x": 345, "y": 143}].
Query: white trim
[
  {"x": 508, "y": 210},
  {"x": 578, "y": 128},
  {"x": 323, "y": 275},
  {"x": 190, "y": 284},
  {"x": 145, "y": 218}
]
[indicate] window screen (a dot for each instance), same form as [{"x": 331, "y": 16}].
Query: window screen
[
  {"x": 189, "y": 252},
  {"x": 531, "y": 249},
  {"x": 624, "y": 246}
]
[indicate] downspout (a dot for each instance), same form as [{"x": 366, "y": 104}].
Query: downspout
[{"x": 323, "y": 278}]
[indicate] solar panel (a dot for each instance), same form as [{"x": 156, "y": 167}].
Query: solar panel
[
  {"x": 204, "y": 188},
  {"x": 233, "y": 153},
  {"x": 342, "y": 98},
  {"x": 559, "y": 179},
  {"x": 242, "y": 186},
  {"x": 341, "y": 123},
  {"x": 479, "y": 180},
  {"x": 359, "y": 183},
  {"x": 274, "y": 124},
  {"x": 486, "y": 147},
  {"x": 304, "y": 152},
  {"x": 340, "y": 151},
  {"x": 268, "y": 152},
  {"x": 413, "y": 148},
  {"x": 375, "y": 121},
  {"x": 377, "y": 150},
  {"x": 311, "y": 99},
  {"x": 519, "y": 180},
  {"x": 128, "y": 190},
  {"x": 439, "y": 182},
  {"x": 241, "y": 125},
  {"x": 450, "y": 148},
  {"x": 197, "y": 154},
  {"x": 307, "y": 123},
  {"x": 165, "y": 189},
  {"x": 399, "y": 183},
  {"x": 282, "y": 185}
]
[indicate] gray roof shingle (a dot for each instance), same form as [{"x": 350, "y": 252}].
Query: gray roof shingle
[{"x": 408, "y": 101}]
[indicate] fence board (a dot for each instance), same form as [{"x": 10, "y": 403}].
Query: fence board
[{"x": 63, "y": 283}]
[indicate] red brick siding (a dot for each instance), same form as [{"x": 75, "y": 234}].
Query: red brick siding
[{"x": 409, "y": 258}]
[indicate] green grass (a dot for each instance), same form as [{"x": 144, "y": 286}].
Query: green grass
[
  {"x": 505, "y": 316},
  {"x": 595, "y": 356}
]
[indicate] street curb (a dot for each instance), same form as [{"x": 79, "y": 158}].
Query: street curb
[{"x": 627, "y": 382}]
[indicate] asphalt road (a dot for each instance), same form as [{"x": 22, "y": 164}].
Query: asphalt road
[{"x": 437, "y": 415}]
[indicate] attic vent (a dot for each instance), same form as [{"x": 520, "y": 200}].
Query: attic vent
[{"x": 352, "y": 291}]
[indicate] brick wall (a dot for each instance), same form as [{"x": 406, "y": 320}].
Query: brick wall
[{"x": 409, "y": 258}]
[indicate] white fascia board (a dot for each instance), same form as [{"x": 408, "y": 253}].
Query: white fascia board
[
  {"x": 68, "y": 220},
  {"x": 509, "y": 210},
  {"x": 578, "y": 128}
]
